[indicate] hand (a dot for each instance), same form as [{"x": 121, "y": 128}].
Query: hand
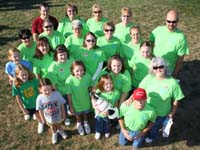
[
  {"x": 125, "y": 132},
  {"x": 170, "y": 115},
  {"x": 26, "y": 112},
  {"x": 140, "y": 134},
  {"x": 128, "y": 102},
  {"x": 71, "y": 110}
]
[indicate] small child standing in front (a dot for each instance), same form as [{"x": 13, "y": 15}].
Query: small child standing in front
[
  {"x": 51, "y": 108},
  {"x": 106, "y": 91},
  {"x": 14, "y": 59},
  {"x": 78, "y": 85},
  {"x": 25, "y": 89}
]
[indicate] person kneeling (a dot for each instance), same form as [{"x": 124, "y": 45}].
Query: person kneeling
[{"x": 135, "y": 119}]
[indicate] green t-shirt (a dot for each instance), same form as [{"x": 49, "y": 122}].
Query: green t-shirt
[
  {"x": 122, "y": 81},
  {"x": 140, "y": 68},
  {"x": 28, "y": 93},
  {"x": 65, "y": 26},
  {"x": 91, "y": 58},
  {"x": 134, "y": 119},
  {"x": 79, "y": 90},
  {"x": 27, "y": 53},
  {"x": 96, "y": 27},
  {"x": 55, "y": 39},
  {"x": 161, "y": 93},
  {"x": 111, "y": 97},
  {"x": 169, "y": 45},
  {"x": 58, "y": 73},
  {"x": 109, "y": 47},
  {"x": 123, "y": 32},
  {"x": 40, "y": 66}
]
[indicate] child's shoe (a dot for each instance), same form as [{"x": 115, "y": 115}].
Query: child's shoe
[
  {"x": 67, "y": 122},
  {"x": 40, "y": 127},
  {"x": 87, "y": 127},
  {"x": 107, "y": 135},
  {"x": 62, "y": 133},
  {"x": 27, "y": 117},
  {"x": 148, "y": 140},
  {"x": 80, "y": 129},
  {"x": 54, "y": 138},
  {"x": 97, "y": 135}
]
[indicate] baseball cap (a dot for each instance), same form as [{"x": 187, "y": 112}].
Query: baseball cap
[{"x": 139, "y": 94}]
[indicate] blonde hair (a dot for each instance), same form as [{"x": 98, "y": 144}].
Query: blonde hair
[
  {"x": 96, "y": 6},
  {"x": 17, "y": 81},
  {"x": 126, "y": 10},
  {"x": 11, "y": 51}
]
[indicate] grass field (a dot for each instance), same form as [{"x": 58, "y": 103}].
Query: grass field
[{"x": 15, "y": 133}]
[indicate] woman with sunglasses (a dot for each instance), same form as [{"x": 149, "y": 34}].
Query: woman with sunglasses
[
  {"x": 163, "y": 94},
  {"x": 95, "y": 24},
  {"x": 54, "y": 37},
  {"x": 91, "y": 55},
  {"x": 122, "y": 29},
  {"x": 65, "y": 24},
  {"x": 27, "y": 46},
  {"x": 109, "y": 44}
]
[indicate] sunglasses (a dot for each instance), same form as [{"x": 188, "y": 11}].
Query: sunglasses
[
  {"x": 97, "y": 12},
  {"x": 26, "y": 37},
  {"x": 126, "y": 16},
  {"x": 107, "y": 30},
  {"x": 48, "y": 26},
  {"x": 158, "y": 67},
  {"x": 91, "y": 40},
  {"x": 168, "y": 21}
]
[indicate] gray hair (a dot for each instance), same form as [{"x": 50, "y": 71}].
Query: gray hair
[{"x": 159, "y": 61}]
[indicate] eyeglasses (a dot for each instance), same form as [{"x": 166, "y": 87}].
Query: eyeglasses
[
  {"x": 126, "y": 16},
  {"x": 168, "y": 21},
  {"x": 158, "y": 67},
  {"x": 48, "y": 26},
  {"x": 107, "y": 30},
  {"x": 26, "y": 37},
  {"x": 73, "y": 10},
  {"x": 91, "y": 40},
  {"x": 97, "y": 12}
]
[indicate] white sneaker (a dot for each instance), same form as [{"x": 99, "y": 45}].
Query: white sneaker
[
  {"x": 27, "y": 117},
  {"x": 80, "y": 129},
  {"x": 148, "y": 140},
  {"x": 54, "y": 138},
  {"x": 97, "y": 135},
  {"x": 107, "y": 135},
  {"x": 67, "y": 122},
  {"x": 40, "y": 128},
  {"x": 34, "y": 117},
  {"x": 87, "y": 128},
  {"x": 62, "y": 133}
]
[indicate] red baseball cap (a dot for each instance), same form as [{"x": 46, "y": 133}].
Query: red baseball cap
[{"x": 139, "y": 94}]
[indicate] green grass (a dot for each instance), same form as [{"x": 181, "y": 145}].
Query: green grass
[{"x": 19, "y": 134}]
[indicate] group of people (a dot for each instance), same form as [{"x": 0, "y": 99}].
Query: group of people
[{"x": 53, "y": 73}]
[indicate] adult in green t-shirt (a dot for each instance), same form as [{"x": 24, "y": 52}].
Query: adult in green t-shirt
[
  {"x": 163, "y": 93},
  {"x": 91, "y": 56},
  {"x": 76, "y": 39},
  {"x": 28, "y": 46},
  {"x": 95, "y": 24},
  {"x": 54, "y": 37},
  {"x": 109, "y": 44},
  {"x": 65, "y": 24},
  {"x": 122, "y": 29},
  {"x": 135, "y": 119},
  {"x": 170, "y": 42}
]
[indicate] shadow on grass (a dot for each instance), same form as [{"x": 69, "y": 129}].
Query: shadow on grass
[
  {"x": 186, "y": 122},
  {"x": 13, "y": 5}
]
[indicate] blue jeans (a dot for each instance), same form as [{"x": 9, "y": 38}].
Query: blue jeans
[
  {"x": 135, "y": 143},
  {"x": 155, "y": 129},
  {"x": 102, "y": 124}
]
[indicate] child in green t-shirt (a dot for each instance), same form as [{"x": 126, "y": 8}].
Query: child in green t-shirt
[
  {"x": 136, "y": 119},
  {"x": 106, "y": 91},
  {"x": 25, "y": 89},
  {"x": 77, "y": 90}
]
